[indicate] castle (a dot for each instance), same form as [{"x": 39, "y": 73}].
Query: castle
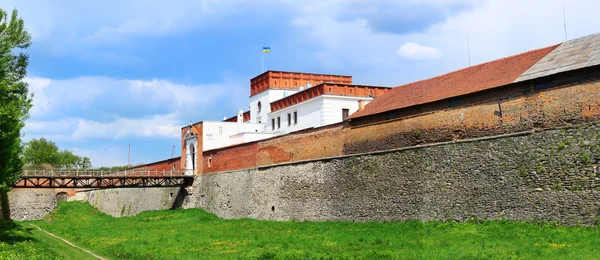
[
  {"x": 515, "y": 138},
  {"x": 304, "y": 116}
]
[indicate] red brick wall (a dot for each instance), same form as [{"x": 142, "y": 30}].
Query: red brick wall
[
  {"x": 328, "y": 89},
  {"x": 230, "y": 158},
  {"x": 540, "y": 109},
  {"x": 169, "y": 164},
  {"x": 474, "y": 115},
  {"x": 292, "y": 80},
  {"x": 302, "y": 145}
]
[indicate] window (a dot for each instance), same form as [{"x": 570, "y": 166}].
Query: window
[
  {"x": 295, "y": 117},
  {"x": 345, "y": 113},
  {"x": 278, "y": 122},
  {"x": 259, "y": 106},
  {"x": 289, "y": 119},
  {"x": 273, "y": 124},
  {"x": 209, "y": 162}
]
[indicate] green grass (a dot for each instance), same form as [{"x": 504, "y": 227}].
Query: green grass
[
  {"x": 19, "y": 241},
  {"x": 195, "y": 234},
  {"x": 64, "y": 250}
]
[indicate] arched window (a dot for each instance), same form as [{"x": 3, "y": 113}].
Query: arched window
[
  {"x": 193, "y": 153},
  {"x": 259, "y": 106}
]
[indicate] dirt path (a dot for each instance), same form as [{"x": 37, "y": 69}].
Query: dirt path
[{"x": 68, "y": 242}]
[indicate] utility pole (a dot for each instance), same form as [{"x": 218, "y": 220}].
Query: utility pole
[
  {"x": 565, "y": 22},
  {"x": 469, "y": 50},
  {"x": 129, "y": 156}
]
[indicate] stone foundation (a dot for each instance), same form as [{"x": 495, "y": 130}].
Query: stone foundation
[
  {"x": 549, "y": 176},
  {"x": 31, "y": 204}
]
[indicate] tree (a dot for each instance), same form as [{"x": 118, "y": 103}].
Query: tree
[
  {"x": 84, "y": 163},
  {"x": 15, "y": 100},
  {"x": 41, "y": 153}
]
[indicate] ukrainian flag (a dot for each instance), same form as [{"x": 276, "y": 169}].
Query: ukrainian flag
[{"x": 266, "y": 49}]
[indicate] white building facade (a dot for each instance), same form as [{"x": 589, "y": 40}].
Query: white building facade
[{"x": 284, "y": 102}]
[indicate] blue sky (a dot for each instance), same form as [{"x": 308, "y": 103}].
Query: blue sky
[{"x": 110, "y": 73}]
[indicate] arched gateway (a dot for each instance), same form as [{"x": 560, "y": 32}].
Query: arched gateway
[{"x": 191, "y": 150}]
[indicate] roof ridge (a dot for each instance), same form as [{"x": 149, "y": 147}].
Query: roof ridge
[{"x": 481, "y": 64}]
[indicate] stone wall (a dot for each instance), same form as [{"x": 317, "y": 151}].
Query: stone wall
[
  {"x": 31, "y": 204},
  {"x": 548, "y": 175},
  {"x": 131, "y": 201},
  {"x": 569, "y": 98}
]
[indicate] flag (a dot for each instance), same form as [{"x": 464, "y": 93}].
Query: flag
[{"x": 266, "y": 49}]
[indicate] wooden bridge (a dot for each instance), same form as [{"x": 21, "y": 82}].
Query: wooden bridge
[{"x": 104, "y": 179}]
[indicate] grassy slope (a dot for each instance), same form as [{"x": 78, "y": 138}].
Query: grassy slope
[
  {"x": 59, "y": 247},
  {"x": 19, "y": 241},
  {"x": 193, "y": 234}
]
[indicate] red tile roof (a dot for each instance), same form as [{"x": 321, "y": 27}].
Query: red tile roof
[
  {"x": 468, "y": 80},
  {"x": 337, "y": 89}
]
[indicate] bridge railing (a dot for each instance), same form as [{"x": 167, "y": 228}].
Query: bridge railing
[{"x": 104, "y": 173}]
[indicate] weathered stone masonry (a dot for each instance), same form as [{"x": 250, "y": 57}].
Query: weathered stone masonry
[
  {"x": 549, "y": 175},
  {"x": 573, "y": 97}
]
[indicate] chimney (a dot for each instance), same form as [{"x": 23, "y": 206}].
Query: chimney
[
  {"x": 361, "y": 104},
  {"x": 240, "y": 120}
]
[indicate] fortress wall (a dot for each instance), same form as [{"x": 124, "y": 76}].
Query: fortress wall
[
  {"x": 548, "y": 175},
  {"x": 540, "y": 109},
  {"x": 121, "y": 202}
]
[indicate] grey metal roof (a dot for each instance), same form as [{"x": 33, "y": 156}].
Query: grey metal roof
[{"x": 571, "y": 55}]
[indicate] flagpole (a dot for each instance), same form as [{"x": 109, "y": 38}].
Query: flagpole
[{"x": 262, "y": 62}]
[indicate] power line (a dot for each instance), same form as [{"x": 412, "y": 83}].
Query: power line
[{"x": 100, "y": 139}]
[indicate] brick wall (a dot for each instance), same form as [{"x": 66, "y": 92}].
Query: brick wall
[
  {"x": 574, "y": 98},
  {"x": 230, "y": 158},
  {"x": 302, "y": 145},
  {"x": 292, "y": 80},
  {"x": 169, "y": 164},
  {"x": 539, "y": 109}
]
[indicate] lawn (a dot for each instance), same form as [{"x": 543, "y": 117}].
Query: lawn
[
  {"x": 19, "y": 241},
  {"x": 196, "y": 234}
]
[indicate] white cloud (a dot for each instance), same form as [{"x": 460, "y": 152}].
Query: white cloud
[
  {"x": 104, "y": 155},
  {"x": 495, "y": 29},
  {"x": 101, "y": 107},
  {"x": 413, "y": 51},
  {"x": 102, "y": 98},
  {"x": 155, "y": 126},
  {"x": 40, "y": 101}
]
